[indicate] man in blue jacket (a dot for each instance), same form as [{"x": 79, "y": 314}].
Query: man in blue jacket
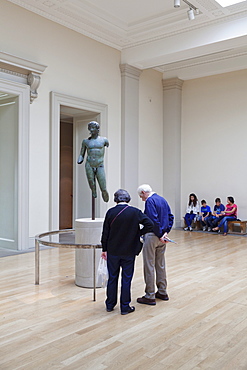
[{"x": 158, "y": 210}]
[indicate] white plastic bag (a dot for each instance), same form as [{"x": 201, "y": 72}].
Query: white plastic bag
[{"x": 102, "y": 273}]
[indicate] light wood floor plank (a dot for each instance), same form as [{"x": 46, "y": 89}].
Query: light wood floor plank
[{"x": 56, "y": 325}]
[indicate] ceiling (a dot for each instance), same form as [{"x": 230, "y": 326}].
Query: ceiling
[
  {"x": 67, "y": 114},
  {"x": 154, "y": 34}
]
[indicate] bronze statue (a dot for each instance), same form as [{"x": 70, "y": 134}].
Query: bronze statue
[{"x": 95, "y": 146}]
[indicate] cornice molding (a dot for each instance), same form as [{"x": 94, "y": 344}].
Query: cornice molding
[
  {"x": 27, "y": 69},
  {"x": 24, "y": 65},
  {"x": 87, "y": 21},
  {"x": 130, "y": 71},
  {"x": 172, "y": 83},
  {"x": 13, "y": 73}
]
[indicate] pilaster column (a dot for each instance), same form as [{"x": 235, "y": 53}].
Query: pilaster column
[
  {"x": 172, "y": 99},
  {"x": 130, "y": 128}
]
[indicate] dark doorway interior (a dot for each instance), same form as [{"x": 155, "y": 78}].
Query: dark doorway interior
[{"x": 66, "y": 175}]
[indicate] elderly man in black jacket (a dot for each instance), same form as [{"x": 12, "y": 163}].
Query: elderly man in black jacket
[{"x": 120, "y": 244}]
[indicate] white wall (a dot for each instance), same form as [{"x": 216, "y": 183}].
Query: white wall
[
  {"x": 151, "y": 131},
  {"x": 83, "y": 68},
  {"x": 213, "y": 114},
  {"x": 214, "y": 133},
  {"x": 77, "y": 66}
]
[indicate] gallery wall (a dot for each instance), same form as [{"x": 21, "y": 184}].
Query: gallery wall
[
  {"x": 76, "y": 66},
  {"x": 151, "y": 131},
  {"x": 80, "y": 67},
  {"x": 214, "y": 115},
  {"x": 214, "y": 131}
]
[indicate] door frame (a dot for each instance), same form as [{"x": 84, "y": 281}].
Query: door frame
[
  {"x": 56, "y": 100},
  {"x": 23, "y": 93}
]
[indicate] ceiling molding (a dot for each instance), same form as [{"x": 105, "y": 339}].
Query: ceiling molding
[
  {"x": 103, "y": 26},
  {"x": 155, "y": 34}
]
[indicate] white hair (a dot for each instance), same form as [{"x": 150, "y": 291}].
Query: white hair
[{"x": 145, "y": 187}]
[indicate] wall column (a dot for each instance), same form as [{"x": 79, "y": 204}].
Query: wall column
[
  {"x": 130, "y": 129},
  {"x": 172, "y": 98}
]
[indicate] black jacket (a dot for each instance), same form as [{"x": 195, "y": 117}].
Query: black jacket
[{"x": 121, "y": 234}]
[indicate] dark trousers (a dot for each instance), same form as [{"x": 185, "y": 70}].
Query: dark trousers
[
  {"x": 113, "y": 264},
  {"x": 213, "y": 220}
]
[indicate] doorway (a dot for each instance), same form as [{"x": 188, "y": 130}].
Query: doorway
[
  {"x": 87, "y": 111},
  {"x": 8, "y": 170},
  {"x": 14, "y": 160},
  {"x": 74, "y": 193}
]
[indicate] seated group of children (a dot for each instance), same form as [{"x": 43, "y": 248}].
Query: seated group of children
[{"x": 210, "y": 221}]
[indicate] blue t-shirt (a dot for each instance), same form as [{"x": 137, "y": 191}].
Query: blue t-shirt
[
  {"x": 205, "y": 210},
  {"x": 219, "y": 209}
]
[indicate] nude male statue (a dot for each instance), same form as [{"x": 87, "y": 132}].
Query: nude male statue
[{"x": 95, "y": 147}]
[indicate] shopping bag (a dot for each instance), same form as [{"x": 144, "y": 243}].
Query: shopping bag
[{"x": 102, "y": 273}]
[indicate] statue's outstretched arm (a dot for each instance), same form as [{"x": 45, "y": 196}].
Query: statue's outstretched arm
[{"x": 82, "y": 152}]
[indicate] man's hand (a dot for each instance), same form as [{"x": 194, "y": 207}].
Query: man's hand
[
  {"x": 162, "y": 239},
  {"x": 104, "y": 255}
]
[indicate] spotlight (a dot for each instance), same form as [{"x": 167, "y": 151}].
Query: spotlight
[
  {"x": 191, "y": 14},
  {"x": 193, "y": 10}
]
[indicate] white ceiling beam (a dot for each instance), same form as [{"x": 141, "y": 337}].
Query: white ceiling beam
[{"x": 189, "y": 44}]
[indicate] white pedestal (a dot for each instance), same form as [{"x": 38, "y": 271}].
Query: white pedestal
[{"x": 87, "y": 231}]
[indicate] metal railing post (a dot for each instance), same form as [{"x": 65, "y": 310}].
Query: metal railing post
[
  {"x": 36, "y": 262},
  {"x": 94, "y": 273}
]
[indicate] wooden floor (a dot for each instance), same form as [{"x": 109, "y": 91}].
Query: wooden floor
[{"x": 56, "y": 325}]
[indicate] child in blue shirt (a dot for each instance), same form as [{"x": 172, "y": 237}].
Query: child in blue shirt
[
  {"x": 205, "y": 213},
  {"x": 217, "y": 215}
]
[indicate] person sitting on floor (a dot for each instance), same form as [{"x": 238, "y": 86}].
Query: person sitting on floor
[
  {"x": 230, "y": 214},
  {"x": 192, "y": 211},
  {"x": 205, "y": 213},
  {"x": 217, "y": 214}
]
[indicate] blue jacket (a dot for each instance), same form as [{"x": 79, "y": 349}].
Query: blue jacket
[{"x": 158, "y": 210}]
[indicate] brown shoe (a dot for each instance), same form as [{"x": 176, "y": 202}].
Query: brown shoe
[
  {"x": 164, "y": 297},
  {"x": 145, "y": 300}
]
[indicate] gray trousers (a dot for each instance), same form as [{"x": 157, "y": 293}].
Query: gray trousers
[{"x": 154, "y": 264}]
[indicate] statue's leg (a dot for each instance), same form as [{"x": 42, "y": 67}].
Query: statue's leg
[
  {"x": 100, "y": 175},
  {"x": 91, "y": 179}
]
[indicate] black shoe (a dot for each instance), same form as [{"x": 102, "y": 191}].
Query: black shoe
[
  {"x": 130, "y": 309},
  {"x": 145, "y": 300},
  {"x": 164, "y": 297},
  {"x": 108, "y": 309}
]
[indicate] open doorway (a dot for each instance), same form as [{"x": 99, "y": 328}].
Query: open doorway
[
  {"x": 74, "y": 193},
  {"x": 82, "y": 112},
  {"x": 14, "y": 160},
  {"x": 8, "y": 170}
]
